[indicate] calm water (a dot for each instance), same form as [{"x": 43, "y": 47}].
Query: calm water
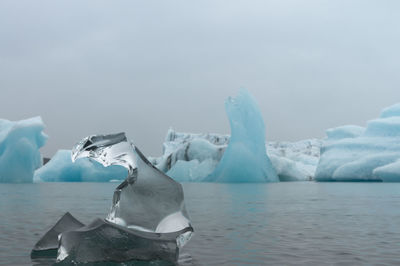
[{"x": 261, "y": 224}]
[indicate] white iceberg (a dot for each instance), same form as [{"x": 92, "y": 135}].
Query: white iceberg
[
  {"x": 295, "y": 161},
  {"x": 369, "y": 154},
  {"x": 61, "y": 169},
  {"x": 20, "y": 142},
  {"x": 190, "y": 157}
]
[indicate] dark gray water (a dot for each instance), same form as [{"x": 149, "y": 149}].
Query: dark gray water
[{"x": 291, "y": 223}]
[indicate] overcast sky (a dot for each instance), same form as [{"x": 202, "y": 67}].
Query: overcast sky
[{"x": 92, "y": 67}]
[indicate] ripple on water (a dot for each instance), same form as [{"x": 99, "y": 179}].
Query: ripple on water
[{"x": 238, "y": 224}]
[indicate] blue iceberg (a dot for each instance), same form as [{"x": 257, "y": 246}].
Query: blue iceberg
[
  {"x": 190, "y": 157},
  {"x": 238, "y": 158},
  {"x": 20, "y": 142},
  {"x": 61, "y": 169},
  {"x": 352, "y": 153},
  {"x": 245, "y": 159}
]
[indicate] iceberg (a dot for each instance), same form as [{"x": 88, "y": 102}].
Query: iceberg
[
  {"x": 147, "y": 221},
  {"x": 20, "y": 142},
  {"x": 190, "y": 157},
  {"x": 352, "y": 153},
  {"x": 295, "y": 161},
  {"x": 245, "y": 159},
  {"x": 61, "y": 169},
  {"x": 240, "y": 157}
]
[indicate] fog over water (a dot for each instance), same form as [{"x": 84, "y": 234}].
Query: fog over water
[{"x": 142, "y": 66}]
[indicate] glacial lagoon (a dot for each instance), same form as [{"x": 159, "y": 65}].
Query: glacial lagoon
[{"x": 287, "y": 223}]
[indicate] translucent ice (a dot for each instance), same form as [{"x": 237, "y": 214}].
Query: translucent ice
[
  {"x": 148, "y": 218},
  {"x": 370, "y": 155},
  {"x": 61, "y": 169},
  {"x": 102, "y": 240},
  {"x": 19, "y": 149},
  {"x": 48, "y": 244},
  {"x": 245, "y": 159}
]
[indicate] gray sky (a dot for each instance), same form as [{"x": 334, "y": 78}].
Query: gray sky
[{"x": 142, "y": 66}]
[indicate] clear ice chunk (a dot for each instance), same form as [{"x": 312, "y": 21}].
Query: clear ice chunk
[
  {"x": 148, "y": 219},
  {"x": 48, "y": 244},
  {"x": 105, "y": 241}
]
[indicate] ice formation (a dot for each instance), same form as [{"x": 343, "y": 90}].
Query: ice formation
[
  {"x": 190, "y": 157},
  {"x": 148, "y": 219},
  {"x": 20, "y": 142},
  {"x": 61, "y": 169},
  {"x": 295, "y": 161},
  {"x": 245, "y": 159},
  {"x": 48, "y": 244},
  {"x": 186, "y": 160},
  {"x": 220, "y": 158},
  {"x": 352, "y": 153},
  {"x": 102, "y": 240}
]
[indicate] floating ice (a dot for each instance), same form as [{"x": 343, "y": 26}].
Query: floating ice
[
  {"x": 102, "y": 240},
  {"x": 147, "y": 198},
  {"x": 245, "y": 159},
  {"x": 209, "y": 157},
  {"x": 147, "y": 220},
  {"x": 371, "y": 155},
  {"x": 190, "y": 157},
  {"x": 19, "y": 149},
  {"x": 295, "y": 161},
  {"x": 349, "y": 131},
  {"x": 48, "y": 244},
  {"x": 61, "y": 169}
]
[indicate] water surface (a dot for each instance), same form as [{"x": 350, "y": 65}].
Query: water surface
[{"x": 293, "y": 223}]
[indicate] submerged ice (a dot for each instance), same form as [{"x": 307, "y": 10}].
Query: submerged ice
[
  {"x": 20, "y": 142},
  {"x": 352, "y": 153},
  {"x": 148, "y": 219},
  {"x": 48, "y": 244}
]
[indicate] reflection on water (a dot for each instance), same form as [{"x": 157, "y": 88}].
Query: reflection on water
[{"x": 274, "y": 224}]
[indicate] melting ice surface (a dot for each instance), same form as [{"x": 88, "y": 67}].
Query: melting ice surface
[
  {"x": 148, "y": 219},
  {"x": 353, "y": 153},
  {"x": 19, "y": 149}
]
